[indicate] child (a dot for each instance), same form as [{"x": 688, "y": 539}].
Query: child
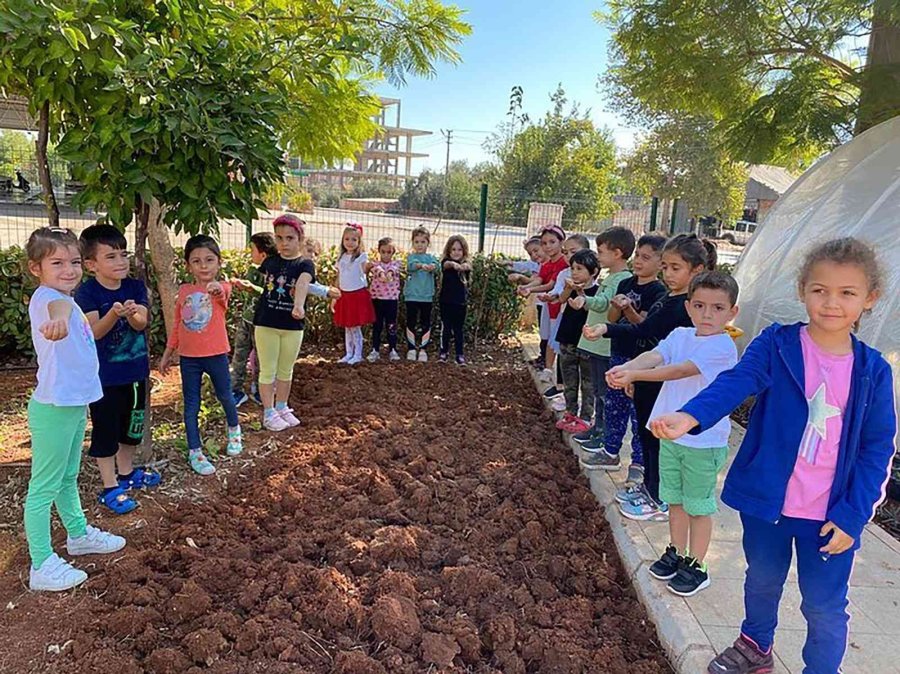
[
  {"x": 116, "y": 308},
  {"x": 354, "y": 308},
  {"x": 312, "y": 250},
  {"x": 455, "y": 270},
  {"x": 262, "y": 246},
  {"x": 576, "y": 367},
  {"x": 523, "y": 271},
  {"x": 67, "y": 381},
  {"x": 551, "y": 243},
  {"x": 684, "y": 256},
  {"x": 280, "y": 319},
  {"x": 815, "y": 460},
  {"x": 614, "y": 247},
  {"x": 558, "y": 296},
  {"x": 200, "y": 340},
  {"x": 634, "y": 296},
  {"x": 418, "y": 293},
  {"x": 687, "y": 361},
  {"x": 385, "y": 290}
]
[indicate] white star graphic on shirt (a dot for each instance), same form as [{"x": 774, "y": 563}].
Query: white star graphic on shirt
[{"x": 820, "y": 411}]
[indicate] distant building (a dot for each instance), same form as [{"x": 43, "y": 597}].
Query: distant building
[
  {"x": 387, "y": 156},
  {"x": 14, "y": 114},
  {"x": 764, "y": 186}
]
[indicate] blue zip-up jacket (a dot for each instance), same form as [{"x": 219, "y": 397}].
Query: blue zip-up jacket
[{"x": 772, "y": 369}]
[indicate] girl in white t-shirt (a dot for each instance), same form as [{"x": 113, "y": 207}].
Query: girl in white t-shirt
[
  {"x": 354, "y": 308},
  {"x": 68, "y": 379}
]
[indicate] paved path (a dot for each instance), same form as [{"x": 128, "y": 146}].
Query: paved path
[{"x": 693, "y": 630}]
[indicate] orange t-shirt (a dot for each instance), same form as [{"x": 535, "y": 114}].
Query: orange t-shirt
[{"x": 200, "y": 322}]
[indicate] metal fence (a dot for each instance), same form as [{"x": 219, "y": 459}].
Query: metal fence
[{"x": 504, "y": 228}]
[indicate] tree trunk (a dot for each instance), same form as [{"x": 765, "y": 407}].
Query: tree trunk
[
  {"x": 44, "y": 167},
  {"x": 879, "y": 98},
  {"x": 163, "y": 257},
  {"x": 144, "y": 452}
]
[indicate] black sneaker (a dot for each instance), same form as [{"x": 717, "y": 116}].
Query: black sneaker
[
  {"x": 667, "y": 566},
  {"x": 744, "y": 657},
  {"x": 585, "y": 436},
  {"x": 551, "y": 392},
  {"x": 690, "y": 579}
]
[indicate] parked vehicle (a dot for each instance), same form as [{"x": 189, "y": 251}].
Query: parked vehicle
[{"x": 739, "y": 232}]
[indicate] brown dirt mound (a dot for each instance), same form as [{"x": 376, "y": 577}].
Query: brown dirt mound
[{"x": 425, "y": 517}]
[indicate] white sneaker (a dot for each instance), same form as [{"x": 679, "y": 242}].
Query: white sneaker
[
  {"x": 55, "y": 575},
  {"x": 373, "y": 356},
  {"x": 394, "y": 356},
  {"x": 287, "y": 415},
  {"x": 411, "y": 354},
  {"x": 558, "y": 404},
  {"x": 356, "y": 360},
  {"x": 274, "y": 422},
  {"x": 94, "y": 542},
  {"x": 346, "y": 359},
  {"x": 423, "y": 356}
]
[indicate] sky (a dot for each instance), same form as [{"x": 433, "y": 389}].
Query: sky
[{"x": 534, "y": 44}]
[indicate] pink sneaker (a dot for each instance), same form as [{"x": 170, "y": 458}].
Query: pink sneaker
[
  {"x": 287, "y": 415},
  {"x": 274, "y": 422},
  {"x": 579, "y": 425},
  {"x": 564, "y": 423}
]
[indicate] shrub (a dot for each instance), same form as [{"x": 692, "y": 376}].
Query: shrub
[{"x": 494, "y": 307}]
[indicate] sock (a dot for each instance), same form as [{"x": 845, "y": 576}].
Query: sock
[
  {"x": 236, "y": 431},
  {"x": 280, "y": 406},
  {"x": 269, "y": 411},
  {"x": 195, "y": 452},
  {"x": 348, "y": 343},
  {"x": 128, "y": 476}
]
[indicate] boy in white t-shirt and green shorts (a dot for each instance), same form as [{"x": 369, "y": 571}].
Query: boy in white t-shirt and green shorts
[{"x": 688, "y": 361}]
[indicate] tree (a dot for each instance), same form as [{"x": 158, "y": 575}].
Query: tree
[
  {"x": 784, "y": 81},
  {"x": 426, "y": 192},
  {"x": 180, "y": 111},
  {"x": 684, "y": 159},
  {"x": 563, "y": 157}
]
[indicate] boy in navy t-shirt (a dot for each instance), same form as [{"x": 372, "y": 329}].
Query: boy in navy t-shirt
[{"x": 117, "y": 308}]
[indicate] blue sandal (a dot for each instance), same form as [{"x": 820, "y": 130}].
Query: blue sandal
[
  {"x": 117, "y": 500},
  {"x": 140, "y": 478}
]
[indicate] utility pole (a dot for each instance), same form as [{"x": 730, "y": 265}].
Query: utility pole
[{"x": 448, "y": 135}]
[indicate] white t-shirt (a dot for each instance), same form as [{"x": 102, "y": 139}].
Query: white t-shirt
[
  {"x": 68, "y": 369},
  {"x": 352, "y": 272},
  {"x": 712, "y": 355}
]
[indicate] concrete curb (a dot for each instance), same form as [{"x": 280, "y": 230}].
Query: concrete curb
[{"x": 682, "y": 637}]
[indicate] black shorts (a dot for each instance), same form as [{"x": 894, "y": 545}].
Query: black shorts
[{"x": 117, "y": 418}]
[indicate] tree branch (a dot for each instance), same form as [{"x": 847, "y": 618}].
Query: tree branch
[{"x": 848, "y": 74}]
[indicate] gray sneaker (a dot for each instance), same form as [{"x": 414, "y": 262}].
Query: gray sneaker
[
  {"x": 635, "y": 474},
  {"x": 599, "y": 461}
]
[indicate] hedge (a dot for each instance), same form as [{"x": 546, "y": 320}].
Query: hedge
[{"x": 494, "y": 307}]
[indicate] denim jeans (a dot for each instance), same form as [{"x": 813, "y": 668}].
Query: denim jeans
[{"x": 192, "y": 370}]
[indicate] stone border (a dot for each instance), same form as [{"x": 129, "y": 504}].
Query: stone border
[{"x": 680, "y": 633}]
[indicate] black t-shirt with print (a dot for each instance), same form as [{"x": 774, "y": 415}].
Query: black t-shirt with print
[
  {"x": 573, "y": 320},
  {"x": 454, "y": 286},
  {"x": 642, "y": 298},
  {"x": 277, "y": 300}
]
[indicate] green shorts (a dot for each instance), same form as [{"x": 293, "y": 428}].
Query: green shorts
[{"x": 687, "y": 476}]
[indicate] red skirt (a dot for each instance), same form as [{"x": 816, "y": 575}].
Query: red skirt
[{"x": 354, "y": 309}]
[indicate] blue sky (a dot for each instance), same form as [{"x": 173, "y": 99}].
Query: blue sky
[{"x": 535, "y": 44}]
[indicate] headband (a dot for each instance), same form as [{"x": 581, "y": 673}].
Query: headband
[
  {"x": 288, "y": 220},
  {"x": 356, "y": 226},
  {"x": 554, "y": 229}
]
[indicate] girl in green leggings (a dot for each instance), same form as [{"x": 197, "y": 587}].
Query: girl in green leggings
[{"x": 68, "y": 379}]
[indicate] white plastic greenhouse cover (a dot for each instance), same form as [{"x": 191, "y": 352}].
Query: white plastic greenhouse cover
[{"x": 854, "y": 191}]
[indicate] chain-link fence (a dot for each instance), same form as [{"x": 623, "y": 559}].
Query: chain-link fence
[{"x": 22, "y": 210}]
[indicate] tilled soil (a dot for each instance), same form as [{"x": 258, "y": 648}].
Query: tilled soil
[{"x": 428, "y": 518}]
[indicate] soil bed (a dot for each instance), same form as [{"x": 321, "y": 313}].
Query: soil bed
[{"x": 426, "y": 518}]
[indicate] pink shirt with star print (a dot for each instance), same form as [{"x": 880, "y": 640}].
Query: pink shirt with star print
[{"x": 827, "y": 389}]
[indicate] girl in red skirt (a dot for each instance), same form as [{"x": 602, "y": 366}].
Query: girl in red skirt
[{"x": 354, "y": 308}]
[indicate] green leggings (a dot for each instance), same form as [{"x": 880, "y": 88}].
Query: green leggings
[{"x": 57, "y": 436}]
